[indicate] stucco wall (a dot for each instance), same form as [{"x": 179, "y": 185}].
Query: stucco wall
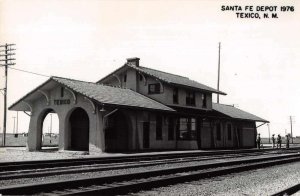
[
  {"x": 166, "y": 94},
  {"x": 64, "y": 111}
]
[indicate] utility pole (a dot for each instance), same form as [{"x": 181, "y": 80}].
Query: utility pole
[
  {"x": 50, "y": 126},
  {"x": 14, "y": 124},
  {"x": 291, "y": 121},
  {"x": 219, "y": 72},
  {"x": 17, "y": 122},
  {"x": 8, "y": 61},
  {"x": 269, "y": 133}
]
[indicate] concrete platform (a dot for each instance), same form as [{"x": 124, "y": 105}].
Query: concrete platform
[{"x": 11, "y": 154}]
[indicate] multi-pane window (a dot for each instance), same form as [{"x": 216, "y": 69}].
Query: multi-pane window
[
  {"x": 204, "y": 100},
  {"x": 229, "y": 135},
  {"x": 190, "y": 98},
  {"x": 158, "y": 127},
  {"x": 187, "y": 129},
  {"x": 175, "y": 95},
  {"x": 154, "y": 88},
  {"x": 171, "y": 129},
  {"x": 192, "y": 128},
  {"x": 218, "y": 131}
]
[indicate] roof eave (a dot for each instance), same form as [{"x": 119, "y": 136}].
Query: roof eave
[
  {"x": 30, "y": 93},
  {"x": 101, "y": 80},
  {"x": 205, "y": 90}
]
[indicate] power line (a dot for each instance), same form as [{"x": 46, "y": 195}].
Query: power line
[{"x": 29, "y": 72}]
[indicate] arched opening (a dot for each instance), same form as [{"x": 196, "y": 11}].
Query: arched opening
[
  {"x": 50, "y": 130},
  {"x": 116, "y": 133},
  {"x": 79, "y": 130}
]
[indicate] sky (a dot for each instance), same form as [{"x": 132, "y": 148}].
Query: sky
[{"x": 87, "y": 40}]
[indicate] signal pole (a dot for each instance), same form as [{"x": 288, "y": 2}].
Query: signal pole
[
  {"x": 6, "y": 58},
  {"x": 219, "y": 72}
]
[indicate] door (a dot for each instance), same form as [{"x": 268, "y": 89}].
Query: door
[{"x": 146, "y": 139}]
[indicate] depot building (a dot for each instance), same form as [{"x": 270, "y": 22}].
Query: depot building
[{"x": 136, "y": 108}]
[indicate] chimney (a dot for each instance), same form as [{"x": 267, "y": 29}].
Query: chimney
[{"x": 134, "y": 61}]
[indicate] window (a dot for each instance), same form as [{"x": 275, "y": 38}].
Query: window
[
  {"x": 171, "y": 129},
  {"x": 154, "y": 88},
  {"x": 125, "y": 78},
  {"x": 175, "y": 95},
  {"x": 204, "y": 105},
  {"x": 190, "y": 98},
  {"x": 192, "y": 123},
  {"x": 187, "y": 128},
  {"x": 229, "y": 132},
  {"x": 141, "y": 77},
  {"x": 158, "y": 128},
  {"x": 183, "y": 129},
  {"x": 218, "y": 131},
  {"x": 62, "y": 92}
]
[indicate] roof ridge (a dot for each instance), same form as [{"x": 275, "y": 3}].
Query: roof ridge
[
  {"x": 52, "y": 77},
  {"x": 101, "y": 84},
  {"x": 164, "y": 72}
]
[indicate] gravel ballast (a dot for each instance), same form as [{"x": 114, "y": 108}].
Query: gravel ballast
[{"x": 264, "y": 181}]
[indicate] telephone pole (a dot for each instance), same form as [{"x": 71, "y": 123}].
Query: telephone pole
[
  {"x": 17, "y": 127},
  {"x": 6, "y": 57},
  {"x": 14, "y": 124},
  {"x": 50, "y": 127},
  {"x": 269, "y": 133},
  {"x": 219, "y": 72},
  {"x": 291, "y": 121}
]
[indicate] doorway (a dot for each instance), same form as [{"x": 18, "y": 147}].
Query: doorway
[
  {"x": 79, "y": 130},
  {"x": 49, "y": 130},
  {"x": 116, "y": 133},
  {"x": 146, "y": 131}
]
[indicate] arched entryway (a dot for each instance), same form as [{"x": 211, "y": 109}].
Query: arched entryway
[
  {"x": 116, "y": 133},
  {"x": 79, "y": 130},
  {"x": 49, "y": 129}
]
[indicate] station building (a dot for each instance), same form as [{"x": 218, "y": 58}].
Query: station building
[{"x": 136, "y": 108}]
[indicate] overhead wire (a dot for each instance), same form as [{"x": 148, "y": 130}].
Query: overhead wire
[{"x": 29, "y": 72}]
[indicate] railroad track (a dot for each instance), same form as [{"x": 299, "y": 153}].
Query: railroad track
[
  {"x": 39, "y": 164},
  {"x": 289, "y": 191},
  {"x": 43, "y": 172},
  {"x": 125, "y": 183}
]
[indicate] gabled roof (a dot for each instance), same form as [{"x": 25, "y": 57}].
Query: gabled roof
[
  {"x": 167, "y": 77},
  {"x": 174, "y": 79},
  {"x": 106, "y": 94},
  {"x": 236, "y": 113}
]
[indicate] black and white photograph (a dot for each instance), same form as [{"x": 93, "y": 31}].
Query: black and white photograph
[{"x": 149, "y": 97}]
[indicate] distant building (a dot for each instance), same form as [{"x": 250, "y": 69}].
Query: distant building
[{"x": 135, "y": 109}]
